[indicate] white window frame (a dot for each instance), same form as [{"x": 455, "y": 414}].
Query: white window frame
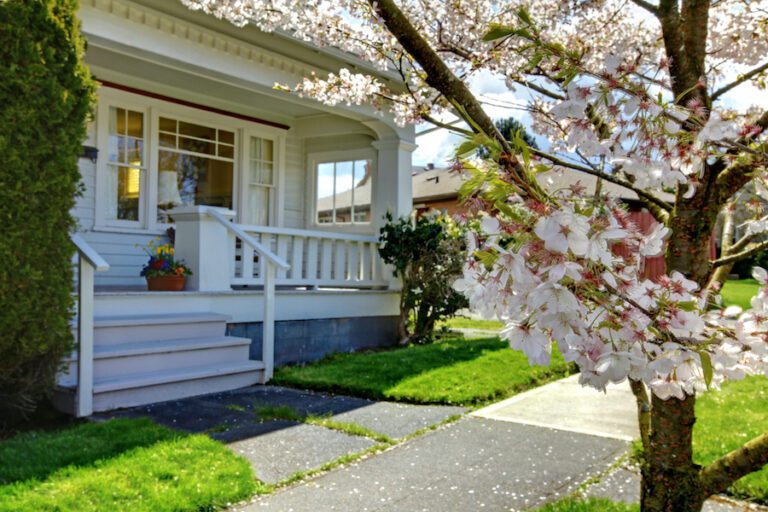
[
  {"x": 153, "y": 109},
  {"x": 277, "y": 190},
  {"x": 325, "y": 157}
]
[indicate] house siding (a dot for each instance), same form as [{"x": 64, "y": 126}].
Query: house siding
[{"x": 294, "y": 183}]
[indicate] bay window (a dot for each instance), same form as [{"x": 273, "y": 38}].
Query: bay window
[{"x": 155, "y": 155}]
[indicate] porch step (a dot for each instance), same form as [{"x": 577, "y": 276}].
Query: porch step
[
  {"x": 135, "y": 328},
  {"x": 149, "y": 387},
  {"x": 119, "y": 359},
  {"x": 142, "y": 359}
]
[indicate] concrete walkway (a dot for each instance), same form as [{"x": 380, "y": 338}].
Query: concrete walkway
[{"x": 567, "y": 405}]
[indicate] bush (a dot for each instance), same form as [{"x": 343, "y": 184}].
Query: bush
[
  {"x": 46, "y": 94},
  {"x": 428, "y": 255}
]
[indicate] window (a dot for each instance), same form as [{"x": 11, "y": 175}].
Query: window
[
  {"x": 343, "y": 192},
  {"x": 195, "y": 166},
  {"x": 126, "y": 165},
  {"x": 155, "y": 155},
  {"x": 261, "y": 181}
]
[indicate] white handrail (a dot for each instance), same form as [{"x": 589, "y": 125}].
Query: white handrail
[
  {"x": 248, "y": 239},
  {"x": 89, "y": 262},
  {"x": 86, "y": 251},
  {"x": 330, "y": 235}
]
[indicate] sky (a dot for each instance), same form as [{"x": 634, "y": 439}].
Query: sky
[{"x": 437, "y": 146}]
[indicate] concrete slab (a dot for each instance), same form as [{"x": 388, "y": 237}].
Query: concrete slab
[
  {"x": 279, "y": 454},
  {"x": 472, "y": 464},
  {"x": 566, "y": 405},
  {"x": 398, "y": 420}
]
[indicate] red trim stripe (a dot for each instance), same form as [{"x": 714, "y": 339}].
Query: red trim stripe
[{"x": 191, "y": 104}]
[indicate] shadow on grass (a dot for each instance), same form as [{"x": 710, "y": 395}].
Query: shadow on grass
[
  {"x": 35, "y": 455},
  {"x": 454, "y": 371},
  {"x": 120, "y": 465}
]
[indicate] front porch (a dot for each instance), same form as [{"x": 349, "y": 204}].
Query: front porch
[{"x": 245, "y": 310}]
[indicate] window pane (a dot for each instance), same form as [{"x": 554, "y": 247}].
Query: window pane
[
  {"x": 135, "y": 124},
  {"x": 197, "y": 146},
  {"x": 199, "y": 180},
  {"x": 226, "y": 137},
  {"x": 123, "y": 203},
  {"x": 168, "y": 125},
  {"x": 362, "y": 191},
  {"x": 167, "y": 140},
  {"x": 135, "y": 151},
  {"x": 226, "y": 151},
  {"x": 258, "y": 206},
  {"x": 197, "y": 130},
  {"x": 324, "y": 187}
]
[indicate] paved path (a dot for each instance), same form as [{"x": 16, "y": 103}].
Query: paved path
[
  {"x": 278, "y": 449},
  {"x": 474, "y": 464},
  {"x": 566, "y": 405}
]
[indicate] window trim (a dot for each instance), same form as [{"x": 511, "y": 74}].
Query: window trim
[
  {"x": 153, "y": 109},
  {"x": 315, "y": 159}
]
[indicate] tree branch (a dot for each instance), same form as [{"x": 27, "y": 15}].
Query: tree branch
[
  {"x": 644, "y": 195},
  {"x": 647, "y": 6},
  {"x": 719, "y": 475},
  {"x": 746, "y": 253},
  {"x": 740, "y": 80}
]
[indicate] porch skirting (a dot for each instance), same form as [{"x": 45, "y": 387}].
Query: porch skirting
[{"x": 305, "y": 341}]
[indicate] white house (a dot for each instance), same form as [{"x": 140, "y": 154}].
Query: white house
[{"x": 190, "y": 133}]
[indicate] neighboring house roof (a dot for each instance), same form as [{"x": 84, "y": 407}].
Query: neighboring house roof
[{"x": 434, "y": 184}]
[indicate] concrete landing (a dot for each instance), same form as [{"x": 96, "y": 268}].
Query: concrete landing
[{"x": 566, "y": 405}]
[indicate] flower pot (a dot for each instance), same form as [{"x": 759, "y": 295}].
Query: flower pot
[{"x": 166, "y": 283}]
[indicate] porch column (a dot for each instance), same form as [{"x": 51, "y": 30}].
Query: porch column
[
  {"x": 205, "y": 246},
  {"x": 392, "y": 190}
]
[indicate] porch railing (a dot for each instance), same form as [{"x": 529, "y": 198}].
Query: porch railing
[
  {"x": 317, "y": 259},
  {"x": 88, "y": 263},
  {"x": 271, "y": 263}
]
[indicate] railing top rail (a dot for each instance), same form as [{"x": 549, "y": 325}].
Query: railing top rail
[
  {"x": 248, "y": 239},
  {"x": 349, "y": 237},
  {"x": 89, "y": 253}
]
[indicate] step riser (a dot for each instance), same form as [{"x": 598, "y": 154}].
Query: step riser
[
  {"x": 163, "y": 361},
  {"x": 157, "y": 332},
  {"x": 173, "y": 391}
]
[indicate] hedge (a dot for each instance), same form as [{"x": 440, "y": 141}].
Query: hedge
[{"x": 46, "y": 95}]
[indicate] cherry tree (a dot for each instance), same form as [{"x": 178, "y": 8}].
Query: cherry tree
[{"x": 629, "y": 91}]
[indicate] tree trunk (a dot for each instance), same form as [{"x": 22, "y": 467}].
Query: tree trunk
[
  {"x": 670, "y": 477},
  {"x": 720, "y": 275}
]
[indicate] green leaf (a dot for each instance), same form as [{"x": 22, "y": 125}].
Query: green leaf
[
  {"x": 706, "y": 367},
  {"x": 687, "y": 306},
  {"x": 497, "y": 32}
]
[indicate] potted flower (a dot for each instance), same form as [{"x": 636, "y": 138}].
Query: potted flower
[{"x": 163, "y": 272}]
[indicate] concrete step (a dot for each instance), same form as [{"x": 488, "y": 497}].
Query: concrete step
[
  {"x": 136, "y": 328},
  {"x": 116, "y": 360},
  {"x": 152, "y": 386}
]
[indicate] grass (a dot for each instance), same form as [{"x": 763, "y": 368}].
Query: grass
[
  {"x": 726, "y": 419},
  {"x": 739, "y": 293},
  {"x": 588, "y": 505},
  {"x": 460, "y": 322},
  {"x": 453, "y": 371},
  {"x": 283, "y": 412},
  {"x": 120, "y": 465}
]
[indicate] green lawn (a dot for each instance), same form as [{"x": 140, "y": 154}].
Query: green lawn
[
  {"x": 587, "y": 505},
  {"x": 460, "y": 322},
  {"x": 728, "y": 418},
  {"x": 120, "y": 465},
  {"x": 453, "y": 371},
  {"x": 739, "y": 293}
]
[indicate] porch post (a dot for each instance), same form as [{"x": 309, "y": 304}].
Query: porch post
[
  {"x": 392, "y": 191},
  {"x": 84, "y": 398},
  {"x": 205, "y": 245}
]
